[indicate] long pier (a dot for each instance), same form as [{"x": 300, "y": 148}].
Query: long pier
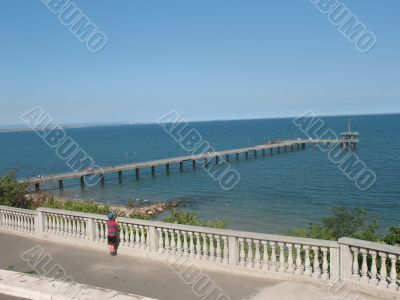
[{"x": 278, "y": 146}]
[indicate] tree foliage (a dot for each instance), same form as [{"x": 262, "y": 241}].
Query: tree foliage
[
  {"x": 344, "y": 222},
  {"x": 393, "y": 237},
  {"x": 12, "y": 192}
]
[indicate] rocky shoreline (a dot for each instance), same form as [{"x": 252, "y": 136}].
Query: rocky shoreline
[{"x": 130, "y": 210}]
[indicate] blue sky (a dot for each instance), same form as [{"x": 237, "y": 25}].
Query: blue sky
[{"x": 206, "y": 59}]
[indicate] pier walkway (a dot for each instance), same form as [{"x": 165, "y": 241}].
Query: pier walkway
[{"x": 277, "y": 146}]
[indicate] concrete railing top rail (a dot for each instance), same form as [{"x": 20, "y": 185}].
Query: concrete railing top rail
[
  {"x": 370, "y": 245},
  {"x": 18, "y": 210}
]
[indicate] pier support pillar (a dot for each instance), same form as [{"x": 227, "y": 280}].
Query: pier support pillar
[
  {"x": 263, "y": 152},
  {"x": 298, "y": 147},
  {"x": 255, "y": 153},
  {"x": 271, "y": 151},
  {"x": 167, "y": 168},
  {"x": 137, "y": 171},
  {"x": 227, "y": 157},
  {"x": 304, "y": 145},
  {"x": 120, "y": 176},
  {"x": 291, "y": 147},
  {"x": 181, "y": 165},
  {"x": 37, "y": 187},
  {"x": 61, "y": 185},
  {"x": 82, "y": 178},
  {"x": 102, "y": 178},
  {"x": 153, "y": 171},
  {"x": 206, "y": 162},
  {"x": 216, "y": 160},
  {"x": 237, "y": 156},
  {"x": 246, "y": 154},
  {"x": 194, "y": 164}
]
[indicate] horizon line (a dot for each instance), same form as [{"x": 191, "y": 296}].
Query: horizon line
[{"x": 14, "y": 128}]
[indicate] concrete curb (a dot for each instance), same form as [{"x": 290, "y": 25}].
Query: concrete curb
[{"x": 41, "y": 288}]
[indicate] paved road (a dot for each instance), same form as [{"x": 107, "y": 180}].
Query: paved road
[
  {"x": 145, "y": 277},
  {"x": 126, "y": 274}
]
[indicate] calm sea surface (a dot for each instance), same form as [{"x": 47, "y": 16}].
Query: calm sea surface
[{"x": 274, "y": 194}]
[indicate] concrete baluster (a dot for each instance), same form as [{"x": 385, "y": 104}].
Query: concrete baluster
[
  {"x": 225, "y": 258},
  {"x": 192, "y": 251},
  {"x": 70, "y": 230},
  {"x": 249, "y": 260},
  {"x": 131, "y": 236},
  {"x": 325, "y": 265},
  {"x": 198, "y": 245},
  {"x": 242, "y": 255},
  {"x": 24, "y": 223},
  {"x": 393, "y": 273},
  {"x": 265, "y": 261},
  {"x": 172, "y": 244},
  {"x": 18, "y": 221},
  {"x": 142, "y": 238},
  {"x": 373, "y": 280},
  {"x": 73, "y": 227},
  {"x": 57, "y": 217},
  {"x": 101, "y": 224},
  {"x": 45, "y": 222},
  {"x": 356, "y": 269},
  {"x": 218, "y": 249},
  {"x": 205, "y": 247},
  {"x": 96, "y": 230},
  {"x": 307, "y": 263},
  {"x": 185, "y": 244},
  {"x": 137, "y": 237},
  {"x": 126, "y": 234},
  {"x": 273, "y": 256},
  {"x": 299, "y": 264},
  {"x": 179, "y": 251},
  {"x": 147, "y": 236},
  {"x": 316, "y": 265},
  {"x": 364, "y": 266},
  {"x": 290, "y": 265},
  {"x": 78, "y": 227},
  {"x": 257, "y": 255},
  {"x": 281, "y": 257},
  {"x": 383, "y": 276},
  {"x": 121, "y": 234},
  {"x": 212, "y": 248},
  {"x": 160, "y": 240},
  {"x": 166, "y": 241}
]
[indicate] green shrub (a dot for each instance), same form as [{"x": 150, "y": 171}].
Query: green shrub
[
  {"x": 74, "y": 205},
  {"x": 12, "y": 192},
  {"x": 344, "y": 222},
  {"x": 191, "y": 218}
]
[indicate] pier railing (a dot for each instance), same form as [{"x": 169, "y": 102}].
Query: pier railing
[{"x": 347, "y": 259}]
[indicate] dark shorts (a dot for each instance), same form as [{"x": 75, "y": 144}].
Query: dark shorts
[{"x": 112, "y": 240}]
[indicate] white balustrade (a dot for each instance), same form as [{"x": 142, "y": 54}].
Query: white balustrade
[
  {"x": 16, "y": 219},
  {"x": 366, "y": 256},
  {"x": 347, "y": 259}
]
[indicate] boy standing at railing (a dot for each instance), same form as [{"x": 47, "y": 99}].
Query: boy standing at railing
[{"x": 112, "y": 228}]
